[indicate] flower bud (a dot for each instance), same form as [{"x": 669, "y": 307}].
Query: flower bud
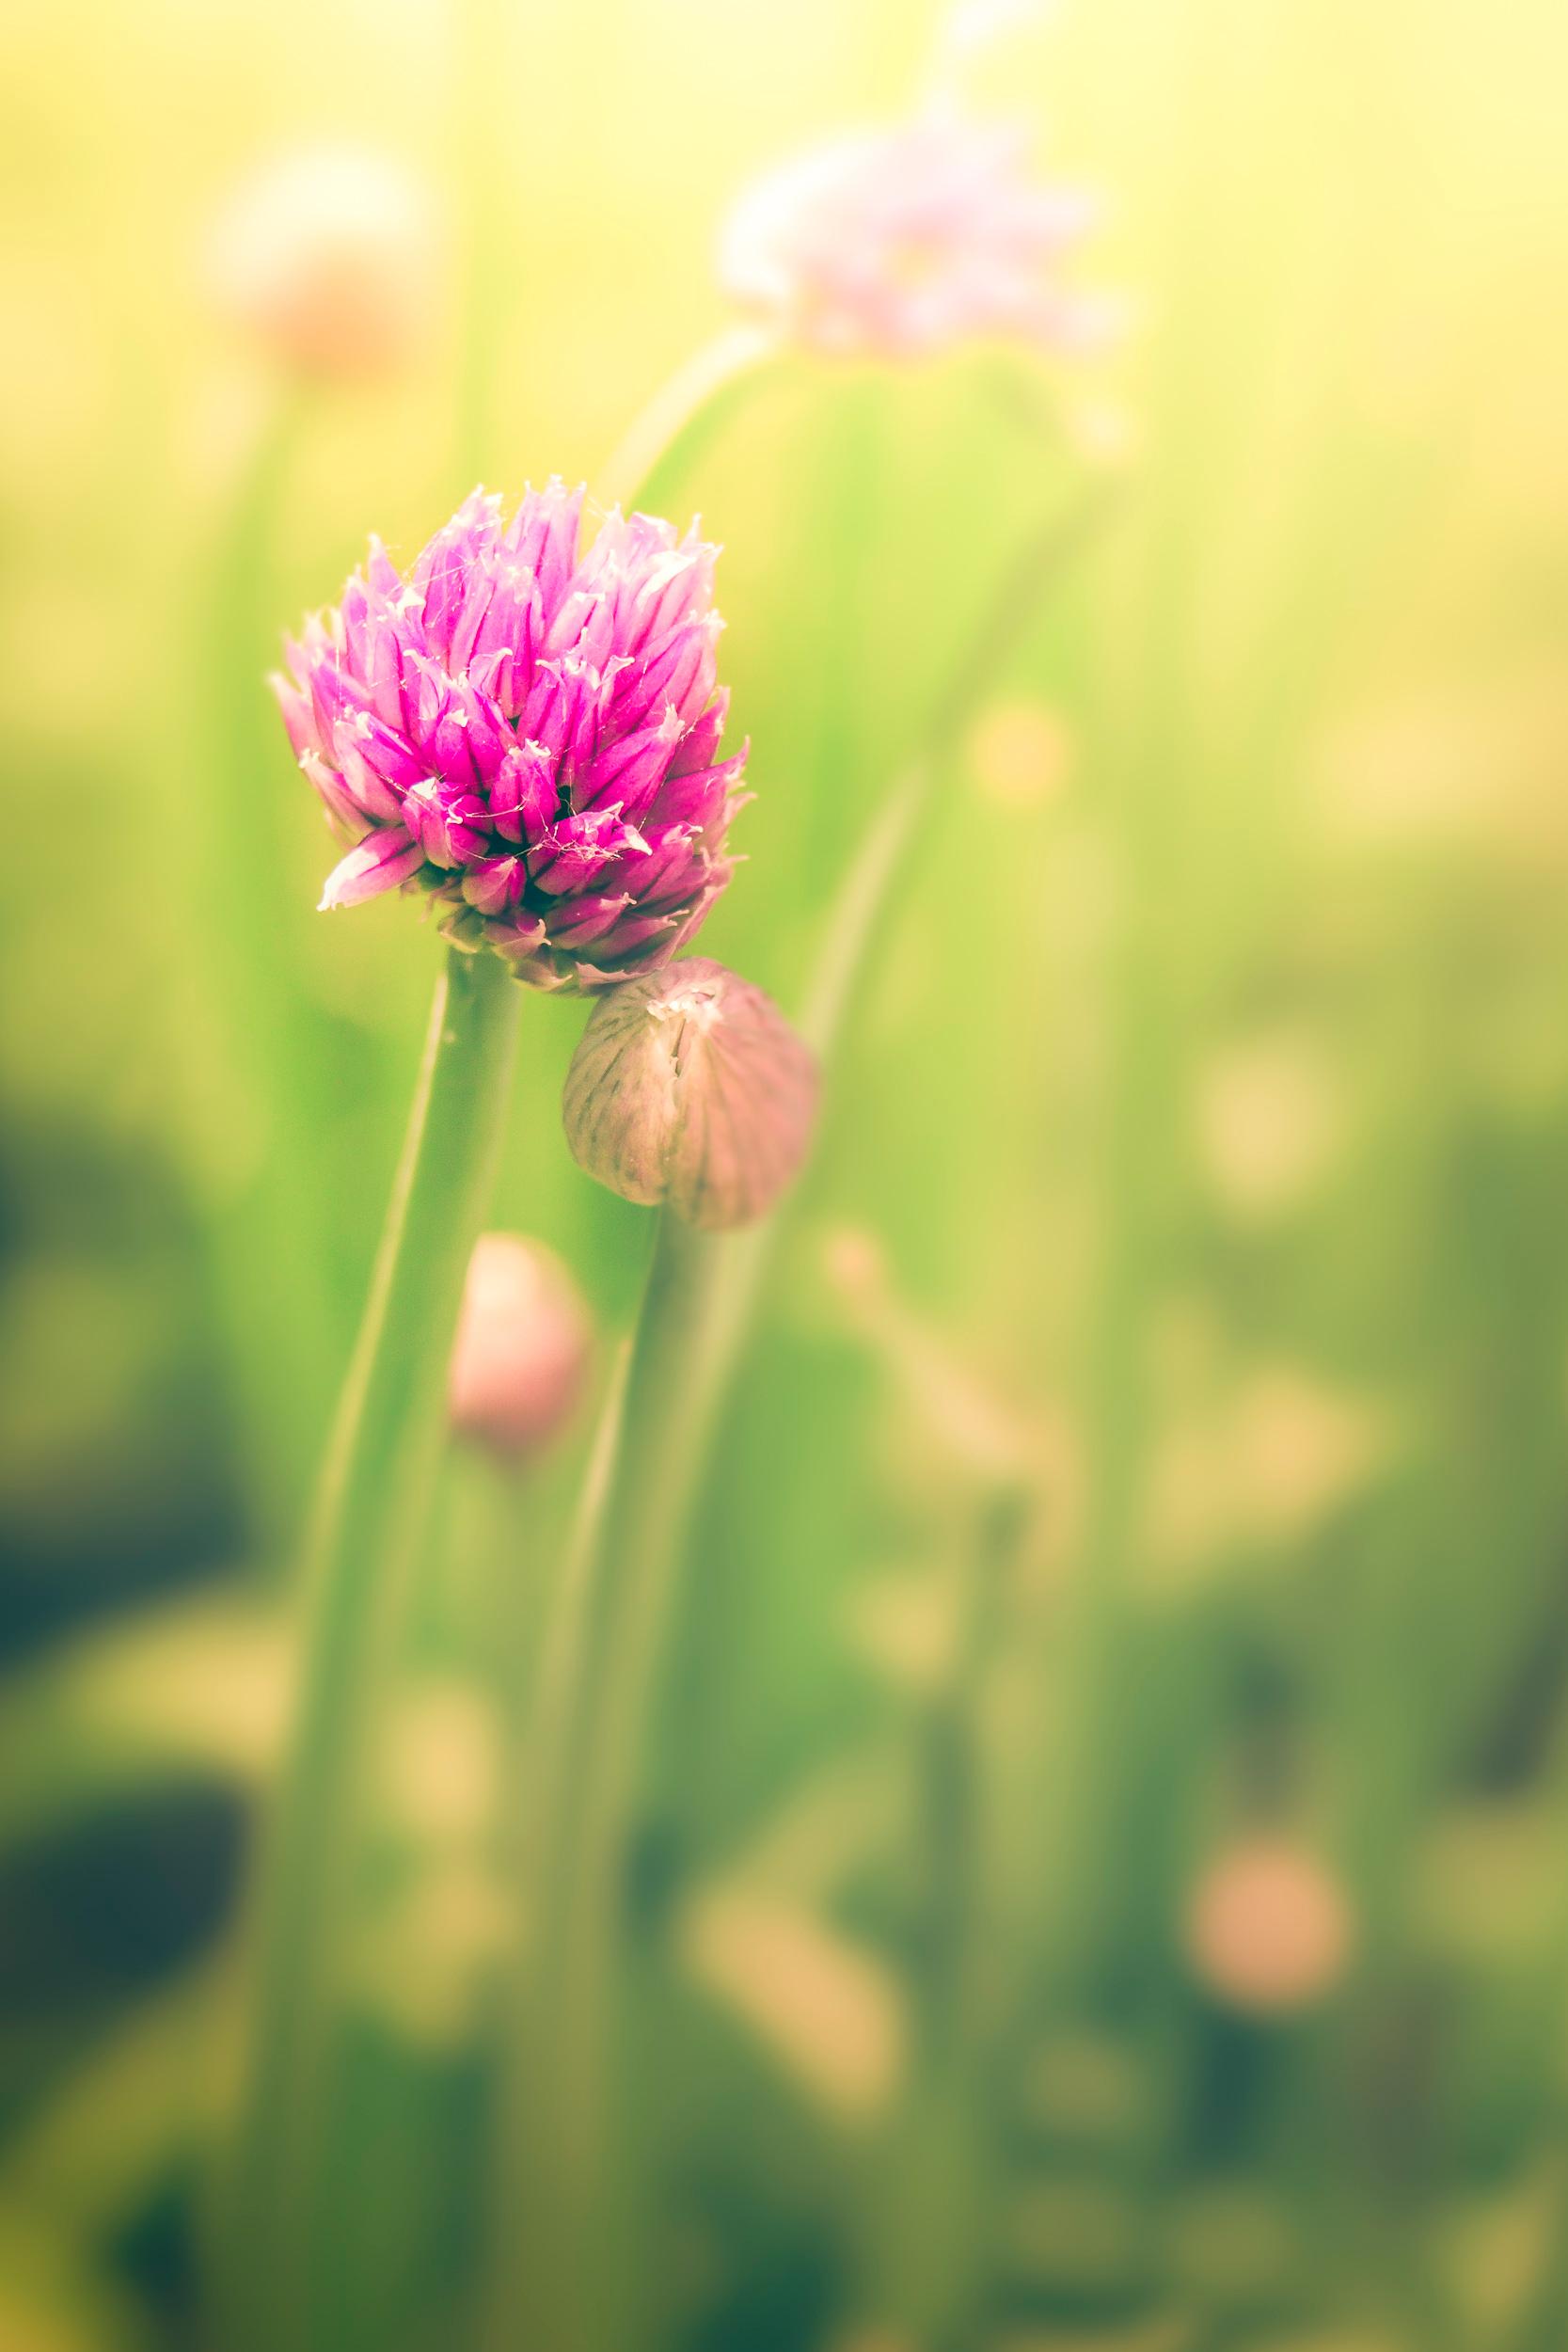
[
  {"x": 521, "y": 1354},
  {"x": 531, "y": 736},
  {"x": 690, "y": 1087},
  {"x": 328, "y": 257},
  {"x": 1268, "y": 1928}
]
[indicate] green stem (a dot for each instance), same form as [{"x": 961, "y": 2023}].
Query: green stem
[
  {"x": 740, "y": 1261},
  {"x": 272, "y": 1262},
  {"x": 684, "y": 417},
  {"x": 379, "y": 1477},
  {"x": 954, "y": 1794},
  {"x": 1088, "y": 1748},
  {"x": 549, "y": 2286},
  {"x": 490, "y": 260},
  {"x": 921, "y": 2189}
]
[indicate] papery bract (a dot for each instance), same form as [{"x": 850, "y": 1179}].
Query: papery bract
[
  {"x": 531, "y": 738},
  {"x": 690, "y": 1087}
]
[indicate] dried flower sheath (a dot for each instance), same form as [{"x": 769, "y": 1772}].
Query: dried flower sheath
[{"x": 690, "y": 1087}]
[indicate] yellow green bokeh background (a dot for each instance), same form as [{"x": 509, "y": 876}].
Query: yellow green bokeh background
[{"x": 1206, "y": 1102}]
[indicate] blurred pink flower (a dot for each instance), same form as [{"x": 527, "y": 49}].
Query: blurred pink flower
[
  {"x": 530, "y": 737},
  {"x": 1268, "y": 1926},
  {"x": 690, "y": 1087},
  {"x": 523, "y": 1343},
  {"x": 330, "y": 257},
  {"x": 905, "y": 239}
]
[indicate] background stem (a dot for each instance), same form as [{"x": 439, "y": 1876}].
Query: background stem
[
  {"x": 700, "y": 1291},
  {"x": 375, "y": 1501},
  {"x": 689, "y": 409},
  {"x": 592, "y": 1711},
  {"x": 271, "y": 1255}
]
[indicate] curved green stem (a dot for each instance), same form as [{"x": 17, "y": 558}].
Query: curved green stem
[
  {"x": 270, "y": 1235},
  {"x": 925, "y": 2181},
  {"x": 375, "y": 1495},
  {"x": 489, "y": 257},
  {"x": 549, "y": 2286},
  {"x": 553, "y": 2184},
  {"x": 684, "y": 417}
]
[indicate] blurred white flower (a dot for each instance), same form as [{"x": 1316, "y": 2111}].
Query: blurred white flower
[
  {"x": 903, "y": 240},
  {"x": 329, "y": 257}
]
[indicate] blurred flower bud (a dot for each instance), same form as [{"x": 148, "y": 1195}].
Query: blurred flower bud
[
  {"x": 855, "y": 1264},
  {"x": 690, "y": 1087},
  {"x": 329, "y": 257},
  {"x": 1268, "y": 1929},
  {"x": 522, "y": 1349}
]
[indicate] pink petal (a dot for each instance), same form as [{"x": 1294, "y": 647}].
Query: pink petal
[{"x": 383, "y": 862}]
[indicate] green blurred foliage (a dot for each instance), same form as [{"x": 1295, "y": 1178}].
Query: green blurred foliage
[{"x": 1203, "y": 1128}]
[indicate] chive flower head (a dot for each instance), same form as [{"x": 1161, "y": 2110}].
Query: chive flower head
[
  {"x": 900, "y": 241},
  {"x": 529, "y": 737}
]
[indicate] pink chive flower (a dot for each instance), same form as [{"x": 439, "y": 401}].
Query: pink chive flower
[
  {"x": 900, "y": 241},
  {"x": 521, "y": 1360},
  {"x": 529, "y": 737}
]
